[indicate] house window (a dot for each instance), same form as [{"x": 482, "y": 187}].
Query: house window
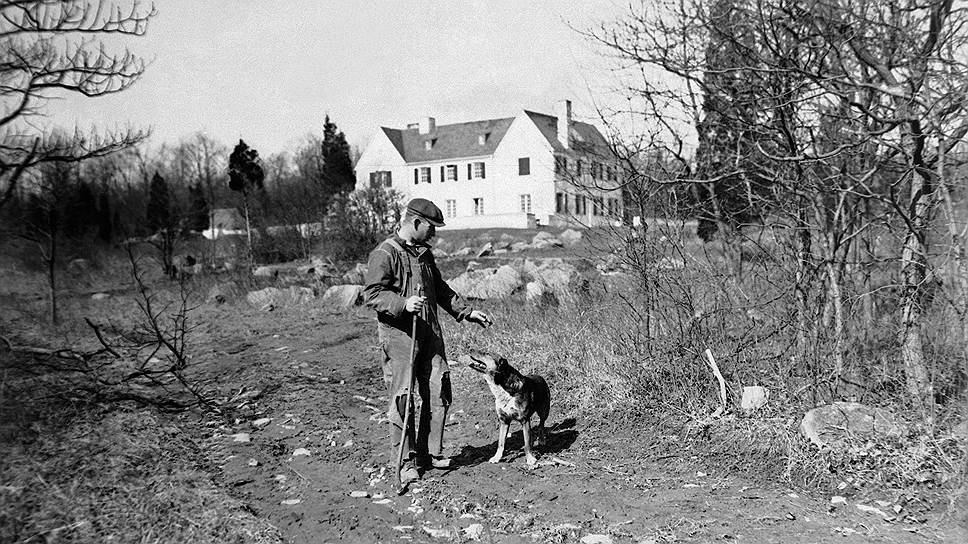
[
  {"x": 561, "y": 202},
  {"x": 580, "y": 208},
  {"x": 596, "y": 170},
  {"x": 578, "y": 168},
  {"x": 526, "y": 203},
  {"x": 380, "y": 178},
  {"x": 425, "y": 174},
  {"x": 428, "y": 144},
  {"x": 597, "y": 206},
  {"x": 451, "y": 172},
  {"x": 524, "y": 166},
  {"x": 478, "y": 206},
  {"x": 451, "y": 207},
  {"x": 561, "y": 165},
  {"x": 610, "y": 173},
  {"x": 483, "y": 138},
  {"x": 478, "y": 170}
]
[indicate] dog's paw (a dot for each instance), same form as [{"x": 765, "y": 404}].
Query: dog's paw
[
  {"x": 531, "y": 460},
  {"x": 495, "y": 459}
]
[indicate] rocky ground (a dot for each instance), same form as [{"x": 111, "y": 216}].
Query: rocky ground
[{"x": 308, "y": 452}]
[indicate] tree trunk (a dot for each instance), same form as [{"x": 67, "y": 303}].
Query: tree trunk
[
  {"x": 52, "y": 277},
  {"x": 248, "y": 227},
  {"x": 914, "y": 263}
]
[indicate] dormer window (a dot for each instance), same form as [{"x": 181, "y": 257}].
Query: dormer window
[
  {"x": 429, "y": 144},
  {"x": 482, "y": 138}
]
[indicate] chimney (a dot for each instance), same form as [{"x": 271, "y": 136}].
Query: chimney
[
  {"x": 428, "y": 125},
  {"x": 563, "y": 111}
]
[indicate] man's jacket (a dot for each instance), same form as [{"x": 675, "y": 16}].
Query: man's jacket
[{"x": 395, "y": 272}]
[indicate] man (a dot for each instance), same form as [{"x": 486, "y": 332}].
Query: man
[{"x": 402, "y": 280}]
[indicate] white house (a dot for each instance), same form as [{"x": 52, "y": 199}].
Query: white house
[{"x": 513, "y": 172}]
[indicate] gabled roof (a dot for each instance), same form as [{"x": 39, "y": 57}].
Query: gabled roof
[
  {"x": 584, "y": 137},
  {"x": 451, "y": 141}
]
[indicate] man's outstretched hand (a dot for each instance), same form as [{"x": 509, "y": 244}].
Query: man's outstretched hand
[{"x": 480, "y": 318}]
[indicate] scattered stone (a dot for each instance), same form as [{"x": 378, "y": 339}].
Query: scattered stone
[
  {"x": 359, "y": 494},
  {"x": 253, "y": 462},
  {"x": 264, "y": 299},
  {"x": 474, "y": 531},
  {"x": 522, "y": 522},
  {"x": 382, "y": 501},
  {"x": 265, "y": 272},
  {"x": 463, "y": 252},
  {"x": 565, "y": 527},
  {"x": 570, "y": 236},
  {"x": 261, "y": 422},
  {"x": 834, "y": 423},
  {"x": 472, "y": 265},
  {"x": 403, "y": 528},
  {"x": 100, "y": 296},
  {"x": 290, "y": 502},
  {"x": 873, "y": 510},
  {"x": 487, "y": 283},
  {"x": 241, "y": 437},
  {"x": 344, "y": 296},
  {"x": 439, "y": 532},
  {"x": 837, "y": 499},
  {"x": 596, "y": 539},
  {"x": 79, "y": 266},
  {"x": 485, "y": 250},
  {"x": 301, "y": 295},
  {"x": 754, "y": 397},
  {"x": 519, "y": 246},
  {"x": 300, "y": 451}
]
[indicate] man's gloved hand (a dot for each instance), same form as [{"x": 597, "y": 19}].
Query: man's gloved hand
[{"x": 480, "y": 318}]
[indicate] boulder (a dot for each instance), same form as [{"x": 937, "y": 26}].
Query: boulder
[
  {"x": 265, "y": 272},
  {"x": 543, "y": 243},
  {"x": 485, "y": 250},
  {"x": 519, "y": 246},
  {"x": 487, "y": 283},
  {"x": 542, "y": 237},
  {"x": 100, "y": 296},
  {"x": 344, "y": 296},
  {"x": 223, "y": 292},
  {"x": 462, "y": 252},
  {"x": 570, "y": 236},
  {"x": 502, "y": 245},
  {"x": 472, "y": 265},
  {"x": 555, "y": 274},
  {"x": 754, "y": 397},
  {"x": 264, "y": 299},
  {"x": 356, "y": 275},
  {"x": 835, "y": 423},
  {"x": 301, "y": 295}
]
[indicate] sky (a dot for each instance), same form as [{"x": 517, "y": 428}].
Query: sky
[{"x": 269, "y": 72}]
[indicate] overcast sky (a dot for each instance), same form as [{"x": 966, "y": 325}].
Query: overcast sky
[{"x": 269, "y": 72}]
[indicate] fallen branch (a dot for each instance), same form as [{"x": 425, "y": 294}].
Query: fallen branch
[{"x": 722, "y": 384}]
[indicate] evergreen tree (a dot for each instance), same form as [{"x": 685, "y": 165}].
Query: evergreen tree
[
  {"x": 159, "y": 204},
  {"x": 199, "y": 208},
  {"x": 338, "y": 171},
  {"x": 246, "y": 176}
]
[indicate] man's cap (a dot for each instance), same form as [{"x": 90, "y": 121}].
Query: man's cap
[{"x": 427, "y": 210}]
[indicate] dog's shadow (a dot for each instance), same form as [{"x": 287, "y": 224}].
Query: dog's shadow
[{"x": 559, "y": 438}]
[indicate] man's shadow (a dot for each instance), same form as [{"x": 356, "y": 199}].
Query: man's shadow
[{"x": 559, "y": 438}]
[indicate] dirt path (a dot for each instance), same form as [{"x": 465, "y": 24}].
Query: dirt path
[{"x": 315, "y": 378}]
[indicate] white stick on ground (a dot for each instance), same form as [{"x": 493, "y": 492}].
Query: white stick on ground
[{"x": 722, "y": 383}]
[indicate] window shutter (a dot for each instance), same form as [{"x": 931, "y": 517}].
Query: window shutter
[
  {"x": 482, "y": 170},
  {"x": 442, "y": 178},
  {"x": 469, "y": 170},
  {"x": 416, "y": 176},
  {"x": 389, "y": 179}
]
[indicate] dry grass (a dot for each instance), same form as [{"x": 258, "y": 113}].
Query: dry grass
[{"x": 117, "y": 475}]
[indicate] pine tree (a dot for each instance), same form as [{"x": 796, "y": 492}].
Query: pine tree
[
  {"x": 338, "y": 171},
  {"x": 159, "y": 204},
  {"x": 246, "y": 176}
]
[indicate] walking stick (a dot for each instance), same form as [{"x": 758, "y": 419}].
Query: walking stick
[{"x": 407, "y": 411}]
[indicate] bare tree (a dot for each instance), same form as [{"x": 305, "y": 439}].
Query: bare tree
[
  {"x": 844, "y": 107},
  {"x": 46, "y": 46}
]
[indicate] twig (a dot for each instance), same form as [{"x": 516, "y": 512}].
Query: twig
[{"x": 97, "y": 332}]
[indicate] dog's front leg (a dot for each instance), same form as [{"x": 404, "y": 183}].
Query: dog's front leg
[
  {"x": 526, "y": 431},
  {"x": 502, "y": 435}
]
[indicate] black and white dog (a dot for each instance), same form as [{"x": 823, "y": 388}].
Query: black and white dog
[{"x": 516, "y": 398}]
